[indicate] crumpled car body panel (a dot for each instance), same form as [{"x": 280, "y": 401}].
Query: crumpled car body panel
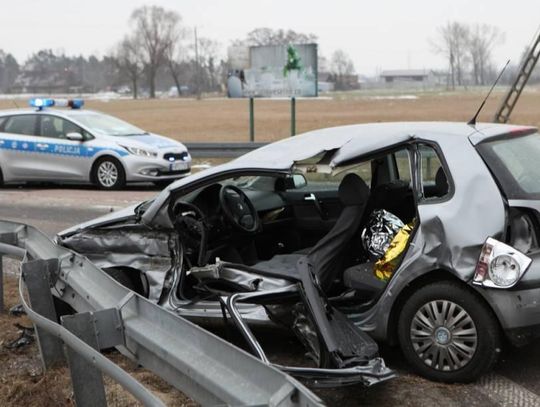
[{"x": 448, "y": 236}]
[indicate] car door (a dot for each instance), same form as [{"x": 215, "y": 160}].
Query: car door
[
  {"x": 17, "y": 147},
  {"x": 59, "y": 157}
]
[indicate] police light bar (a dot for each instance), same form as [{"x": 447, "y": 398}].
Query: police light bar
[
  {"x": 40, "y": 103},
  {"x": 73, "y": 103}
]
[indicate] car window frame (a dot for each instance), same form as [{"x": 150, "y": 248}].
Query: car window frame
[
  {"x": 12, "y": 116},
  {"x": 417, "y": 173},
  {"x": 85, "y": 133},
  {"x": 5, "y": 118},
  {"x": 392, "y": 149}
]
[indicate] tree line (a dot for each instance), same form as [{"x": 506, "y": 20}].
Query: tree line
[
  {"x": 468, "y": 50},
  {"x": 161, "y": 52}
]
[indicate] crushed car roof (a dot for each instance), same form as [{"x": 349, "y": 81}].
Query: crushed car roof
[{"x": 349, "y": 142}]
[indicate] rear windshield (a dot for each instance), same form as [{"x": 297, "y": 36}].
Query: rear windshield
[{"x": 515, "y": 162}]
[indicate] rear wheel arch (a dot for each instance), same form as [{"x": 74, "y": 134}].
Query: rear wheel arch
[{"x": 437, "y": 275}]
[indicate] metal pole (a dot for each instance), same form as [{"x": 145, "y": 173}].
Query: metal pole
[
  {"x": 251, "y": 120},
  {"x": 316, "y": 69},
  {"x": 293, "y": 116},
  {"x": 1, "y": 284}
]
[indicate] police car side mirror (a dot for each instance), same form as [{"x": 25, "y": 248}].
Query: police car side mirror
[{"x": 75, "y": 137}]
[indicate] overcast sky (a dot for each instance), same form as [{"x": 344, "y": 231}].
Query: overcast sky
[{"x": 377, "y": 34}]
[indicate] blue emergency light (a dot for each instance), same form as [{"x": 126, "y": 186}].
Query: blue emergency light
[
  {"x": 76, "y": 103},
  {"x": 40, "y": 103}
]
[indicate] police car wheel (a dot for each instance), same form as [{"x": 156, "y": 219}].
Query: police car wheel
[{"x": 108, "y": 173}]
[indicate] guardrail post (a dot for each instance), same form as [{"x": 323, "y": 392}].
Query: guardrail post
[
  {"x": 293, "y": 116},
  {"x": 251, "y": 120},
  {"x": 36, "y": 275},
  {"x": 87, "y": 381}
]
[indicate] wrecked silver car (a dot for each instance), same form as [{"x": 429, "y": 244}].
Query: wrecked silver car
[{"x": 419, "y": 234}]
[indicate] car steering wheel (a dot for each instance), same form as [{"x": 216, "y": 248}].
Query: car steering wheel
[{"x": 238, "y": 209}]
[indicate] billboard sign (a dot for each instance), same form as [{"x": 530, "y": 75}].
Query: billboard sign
[{"x": 276, "y": 71}]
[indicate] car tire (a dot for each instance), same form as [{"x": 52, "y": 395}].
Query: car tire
[
  {"x": 122, "y": 277},
  {"x": 108, "y": 173},
  {"x": 442, "y": 347}
]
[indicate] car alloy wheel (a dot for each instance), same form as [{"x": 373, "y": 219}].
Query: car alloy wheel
[
  {"x": 447, "y": 332},
  {"x": 443, "y": 335},
  {"x": 107, "y": 174}
]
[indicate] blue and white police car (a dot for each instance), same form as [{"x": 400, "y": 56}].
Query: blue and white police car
[{"x": 76, "y": 145}]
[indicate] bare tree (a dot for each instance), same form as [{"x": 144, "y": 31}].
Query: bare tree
[
  {"x": 156, "y": 30},
  {"x": 452, "y": 43},
  {"x": 482, "y": 39},
  {"x": 176, "y": 58},
  {"x": 9, "y": 69},
  {"x": 129, "y": 62},
  {"x": 208, "y": 50},
  {"x": 341, "y": 66}
]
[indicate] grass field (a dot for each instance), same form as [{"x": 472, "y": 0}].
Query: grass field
[{"x": 228, "y": 119}]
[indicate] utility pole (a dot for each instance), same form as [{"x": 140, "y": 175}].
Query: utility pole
[{"x": 197, "y": 70}]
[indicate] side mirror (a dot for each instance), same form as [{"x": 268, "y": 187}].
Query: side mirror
[
  {"x": 299, "y": 181},
  {"x": 75, "y": 137}
]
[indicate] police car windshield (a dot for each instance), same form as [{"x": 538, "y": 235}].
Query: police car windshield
[{"x": 107, "y": 125}]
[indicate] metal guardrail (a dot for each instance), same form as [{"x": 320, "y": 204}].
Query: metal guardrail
[
  {"x": 221, "y": 150},
  {"x": 198, "y": 363},
  {"x": 88, "y": 386}
]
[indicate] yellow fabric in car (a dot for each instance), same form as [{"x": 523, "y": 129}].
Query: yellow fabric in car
[{"x": 386, "y": 265}]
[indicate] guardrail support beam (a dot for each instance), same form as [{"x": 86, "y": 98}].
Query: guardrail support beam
[
  {"x": 87, "y": 381},
  {"x": 36, "y": 275},
  {"x": 9, "y": 238}
]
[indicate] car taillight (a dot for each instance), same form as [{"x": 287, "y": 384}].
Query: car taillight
[{"x": 500, "y": 265}]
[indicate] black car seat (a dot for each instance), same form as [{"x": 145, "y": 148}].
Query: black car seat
[{"x": 327, "y": 255}]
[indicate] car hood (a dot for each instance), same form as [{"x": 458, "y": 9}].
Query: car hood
[
  {"x": 108, "y": 219},
  {"x": 153, "y": 141}
]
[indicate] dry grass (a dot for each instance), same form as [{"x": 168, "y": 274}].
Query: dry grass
[
  {"x": 22, "y": 382},
  {"x": 228, "y": 119}
]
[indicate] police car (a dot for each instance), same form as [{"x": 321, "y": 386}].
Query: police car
[{"x": 72, "y": 144}]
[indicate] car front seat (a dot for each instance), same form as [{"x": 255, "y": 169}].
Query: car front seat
[{"x": 326, "y": 256}]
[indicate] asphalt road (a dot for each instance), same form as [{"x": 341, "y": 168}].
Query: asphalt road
[{"x": 515, "y": 381}]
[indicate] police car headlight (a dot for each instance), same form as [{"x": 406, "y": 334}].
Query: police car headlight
[{"x": 141, "y": 152}]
